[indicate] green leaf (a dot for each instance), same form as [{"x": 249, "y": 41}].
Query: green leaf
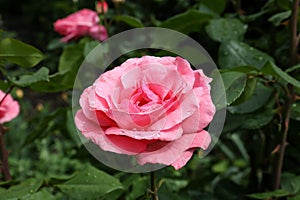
[
  {"x": 293, "y": 68},
  {"x": 218, "y": 92},
  {"x": 59, "y": 81},
  {"x": 223, "y": 30},
  {"x": 279, "y": 17},
  {"x": 260, "y": 97},
  {"x": 248, "y": 91},
  {"x": 90, "y": 183},
  {"x": 297, "y": 197},
  {"x": 268, "y": 195},
  {"x": 187, "y": 22},
  {"x": 42, "y": 195},
  {"x": 137, "y": 186},
  {"x": 19, "y": 53},
  {"x": 215, "y": 7},
  {"x": 234, "y": 83},
  {"x": 43, "y": 126},
  {"x": 295, "y": 114},
  {"x": 89, "y": 46},
  {"x": 132, "y": 21},
  {"x": 72, "y": 129},
  {"x": 175, "y": 185},
  {"x": 233, "y": 54},
  {"x": 271, "y": 69},
  {"x": 4, "y": 85},
  {"x": 25, "y": 80},
  {"x": 256, "y": 120},
  {"x": 22, "y": 190},
  {"x": 71, "y": 58},
  {"x": 290, "y": 182}
]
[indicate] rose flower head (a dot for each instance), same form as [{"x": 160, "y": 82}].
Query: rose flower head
[
  {"x": 9, "y": 108},
  {"x": 84, "y": 22},
  {"x": 152, "y": 108}
]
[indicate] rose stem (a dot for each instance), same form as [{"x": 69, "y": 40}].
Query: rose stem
[
  {"x": 153, "y": 186},
  {"x": 7, "y": 92},
  {"x": 4, "y": 155},
  {"x": 290, "y": 95}
]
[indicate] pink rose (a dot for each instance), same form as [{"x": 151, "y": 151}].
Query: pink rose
[
  {"x": 9, "y": 108},
  {"x": 102, "y": 7},
  {"x": 81, "y": 23},
  {"x": 153, "y": 108}
]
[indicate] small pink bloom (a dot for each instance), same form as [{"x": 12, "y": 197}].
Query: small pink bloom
[
  {"x": 153, "y": 108},
  {"x": 102, "y": 7},
  {"x": 81, "y": 23},
  {"x": 9, "y": 108}
]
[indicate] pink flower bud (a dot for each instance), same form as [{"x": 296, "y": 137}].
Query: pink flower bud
[{"x": 102, "y": 7}]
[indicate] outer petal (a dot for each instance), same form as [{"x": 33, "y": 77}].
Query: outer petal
[
  {"x": 116, "y": 144},
  {"x": 203, "y": 116},
  {"x": 165, "y": 135},
  {"x": 98, "y": 32},
  {"x": 201, "y": 140},
  {"x": 184, "y": 68},
  {"x": 174, "y": 152},
  {"x": 168, "y": 153}
]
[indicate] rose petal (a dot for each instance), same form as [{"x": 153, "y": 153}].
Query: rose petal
[
  {"x": 202, "y": 140},
  {"x": 169, "y": 153},
  {"x": 183, "y": 159},
  {"x": 184, "y": 68},
  {"x": 166, "y": 135},
  {"x": 114, "y": 143},
  {"x": 187, "y": 106},
  {"x": 203, "y": 116}
]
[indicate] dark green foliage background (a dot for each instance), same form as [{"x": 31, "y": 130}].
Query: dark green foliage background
[{"x": 248, "y": 40}]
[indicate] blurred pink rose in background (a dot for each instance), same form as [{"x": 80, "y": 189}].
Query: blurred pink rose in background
[
  {"x": 153, "y": 108},
  {"x": 81, "y": 23},
  {"x": 102, "y": 7},
  {"x": 9, "y": 108}
]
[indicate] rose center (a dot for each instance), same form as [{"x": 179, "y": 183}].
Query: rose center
[{"x": 147, "y": 96}]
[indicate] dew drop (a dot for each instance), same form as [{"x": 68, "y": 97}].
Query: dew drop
[
  {"x": 260, "y": 58},
  {"x": 158, "y": 135},
  {"x": 134, "y": 129},
  {"x": 251, "y": 48},
  {"x": 88, "y": 173}
]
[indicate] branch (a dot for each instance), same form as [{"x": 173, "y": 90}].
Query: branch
[
  {"x": 290, "y": 95},
  {"x": 4, "y": 154},
  {"x": 294, "y": 34}
]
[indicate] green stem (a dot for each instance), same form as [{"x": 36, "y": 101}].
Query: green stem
[{"x": 153, "y": 186}]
